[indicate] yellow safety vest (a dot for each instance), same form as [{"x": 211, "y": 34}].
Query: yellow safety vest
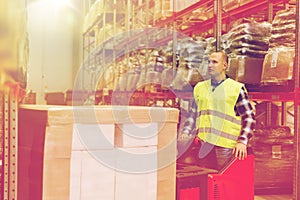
[{"x": 217, "y": 122}]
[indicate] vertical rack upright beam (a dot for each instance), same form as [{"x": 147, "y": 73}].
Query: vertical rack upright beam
[
  {"x": 218, "y": 26},
  {"x": 147, "y": 26},
  {"x": 114, "y": 42},
  {"x": 13, "y": 145},
  {"x": 127, "y": 28},
  {"x": 85, "y": 10},
  {"x": 2, "y": 144},
  {"x": 175, "y": 40},
  {"x": 270, "y": 11},
  {"x": 10, "y": 113},
  {"x": 297, "y": 106},
  {"x": 6, "y": 149}
]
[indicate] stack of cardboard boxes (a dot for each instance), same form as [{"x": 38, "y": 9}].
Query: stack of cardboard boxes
[{"x": 110, "y": 153}]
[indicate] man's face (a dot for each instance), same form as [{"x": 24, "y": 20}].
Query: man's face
[{"x": 216, "y": 64}]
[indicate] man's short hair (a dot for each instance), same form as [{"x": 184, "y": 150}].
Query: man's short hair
[{"x": 224, "y": 55}]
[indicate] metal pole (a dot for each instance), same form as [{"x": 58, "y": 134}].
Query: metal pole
[
  {"x": 283, "y": 113},
  {"x": 269, "y": 114},
  {"x": 6, "y": 148},
  {"x": 297, "y": 106},
  {"x": 218, "y": 27},
  {"x": 270, "y": 11},
  {"x": 114, "y": 44},
  {"x": 13, "y": 144},
  {"x": 175, "y": 42}
]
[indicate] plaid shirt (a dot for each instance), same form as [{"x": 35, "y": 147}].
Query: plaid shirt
[{"x": 242, "y": 108}]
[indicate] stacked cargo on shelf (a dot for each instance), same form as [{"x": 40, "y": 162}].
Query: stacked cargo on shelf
[
  {"x": 252, "y": 41},
  {"x": 190, "y": 58},
  {"x": 274, "y": 162},
  {"x": 279, "y": 62},
  {"x": 101, "y": 23},
  {"x": 247, "y": 43}
]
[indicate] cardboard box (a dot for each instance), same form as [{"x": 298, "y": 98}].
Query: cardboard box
[
  {"x": 136, "y": 135},
  {"x": 93, "y": 136},
  {"x": 77, "y": 152},
  {"x": 97, "y": 180},
  {"x": 137, "y": 166},
  {"x": 249, "y": 70},
  {"x": 278, "y": 66},
  {"x": 55, "y": 98},
  {"x": 231, "y": 70}
]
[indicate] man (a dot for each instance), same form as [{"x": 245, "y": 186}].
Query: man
[{"x": 224, "y": 116}]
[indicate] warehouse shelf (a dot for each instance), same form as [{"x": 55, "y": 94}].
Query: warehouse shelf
[
  {"x": 275, "y": 96},
  {"x": 237, "y": 13},
  {"x": 244, "y": 10},
  {"x": 197, "y": 27},
  {"x": 182, "y": 13},
  {"x": 145, "y": 6},
  {"x": 187, "y": 95},
  {"x": 108, "y": 16}
]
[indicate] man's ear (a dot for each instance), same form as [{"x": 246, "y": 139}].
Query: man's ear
[{"x": 225, "y": 65}]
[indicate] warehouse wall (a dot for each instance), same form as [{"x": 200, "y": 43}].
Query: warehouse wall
[
  {"x": 13, "y": 41},
  {"x": 54, "y": 30}
]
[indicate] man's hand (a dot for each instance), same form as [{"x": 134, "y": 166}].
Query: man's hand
[
  {"x": 240, "y": 151},
  {"x": 185, "y": 135}
]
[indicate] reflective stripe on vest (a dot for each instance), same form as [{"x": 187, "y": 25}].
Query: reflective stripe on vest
[
  {"x": 217, "y": 132},
  {"x": 219, "y": 114}
]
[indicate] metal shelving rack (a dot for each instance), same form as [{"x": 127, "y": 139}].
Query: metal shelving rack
[
  {"x": 96, "y": 53},
  {"x": 8, "y": 131},
  {"x": 220, "y": 16},
  {"x": 13, "y": 12},
  {"x": 283, "y": 97},
  {"x": 297, "y": 105}
]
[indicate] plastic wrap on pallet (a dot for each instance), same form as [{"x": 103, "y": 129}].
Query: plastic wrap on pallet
[
  {"x": 283, "y": 39},
  {"x": 108, "y": 77},
  {"x": 283, "y": 28},
  {"x": 253, "y": 28},
  {"x": 250, "y": 52},
  {"x": 251, "y": 40},
  {"x": 240, "y": 44},
  {"x": 248, "y": 38},
  {"x": 191, "y": 53},
  {"x": 278, "y": 63},
  {"x": 274, "y": 160},
  {"x": 133, "y": 78},
  {"x": 287, "y": 14},
  {"x": 57, "y": 164},
  {"x": 276, "y": 133},
  {"x": 142, "y": 80}
]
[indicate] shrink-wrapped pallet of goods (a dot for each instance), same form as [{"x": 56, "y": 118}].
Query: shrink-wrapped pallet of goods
[
  {"x": 279, "y": 62},
  {"x": 247, "y": 44},
  {"x": 274, "y": 159},
  {"x": 191, "y": 54},
  {"x": 94, "y": 152}
]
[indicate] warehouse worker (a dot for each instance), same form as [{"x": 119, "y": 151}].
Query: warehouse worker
[{"x": 224, "y": 117}]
